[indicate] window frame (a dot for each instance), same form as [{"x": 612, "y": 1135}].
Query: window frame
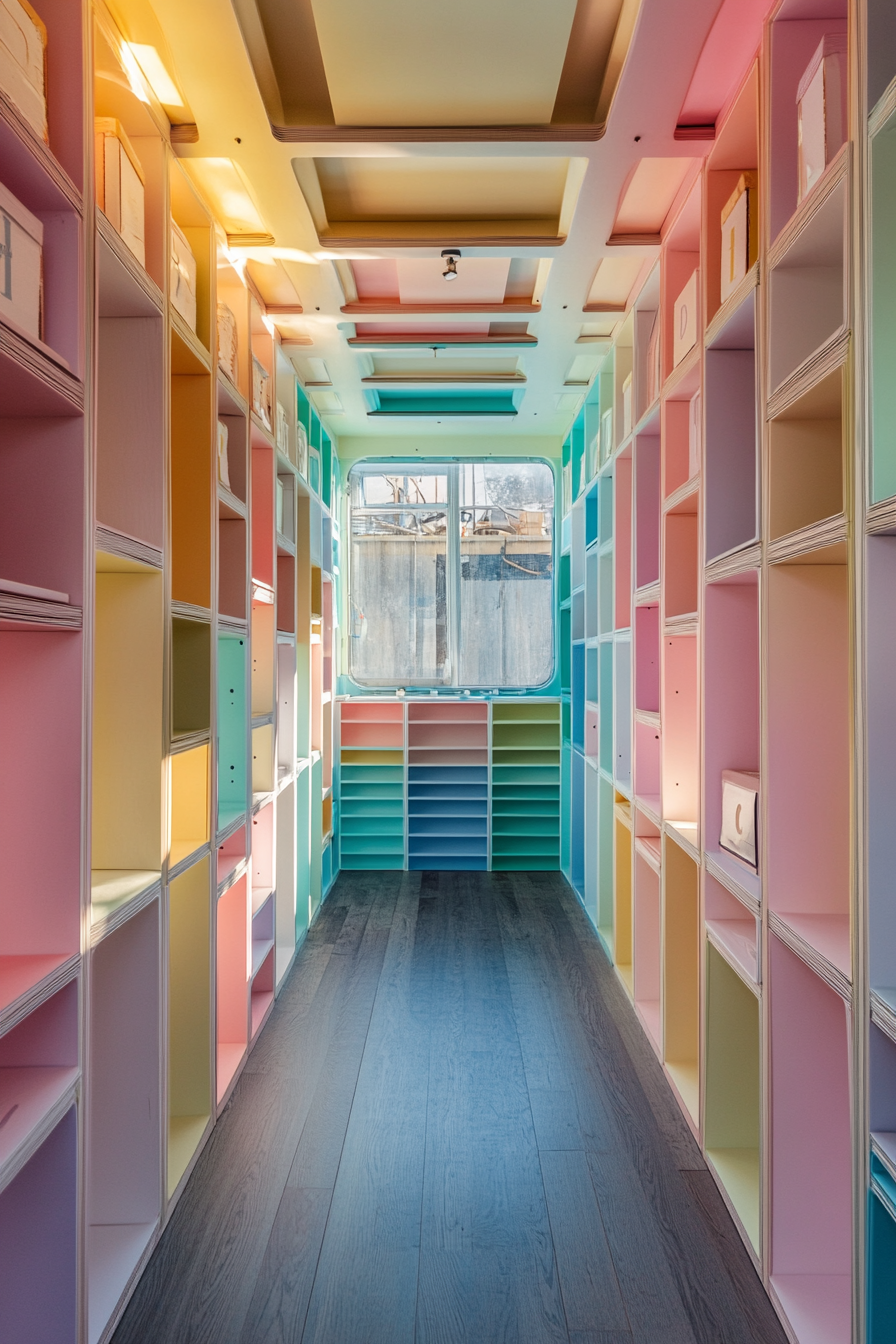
[{"x": 449, "y": 466}]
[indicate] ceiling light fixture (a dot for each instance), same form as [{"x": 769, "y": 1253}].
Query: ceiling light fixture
[{"x": 453, "y": 257}]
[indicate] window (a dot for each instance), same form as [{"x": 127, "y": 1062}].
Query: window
[{"x": 451, "y": 579}]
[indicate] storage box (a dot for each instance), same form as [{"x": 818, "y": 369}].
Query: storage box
[
  {"x": 223, "y": 460},
  {"x": 182, "y": 277},
  {"x": 120, "y": 184},
  {"x": 21, "y": 257},
  {"x": 695, "y": 434},
  {"x": 821, "y": 109},
  {"x": 282, "y": 430},
  {"x": 740, "y": 234},
  {"x": 261, "y": 391},
  {"x": 740, "y": 815},
  {"x": 23, "y": 62},
  {"x": 685, "y": 320},
  {"x": 302, "y": 449},
  {"x": 606, "y": 435},
  {"x": 627, "y": 407},
  {"x": 228, "y": 343}
]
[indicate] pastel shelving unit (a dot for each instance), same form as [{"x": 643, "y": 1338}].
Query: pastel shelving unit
[{"x": 170, "y": 873}]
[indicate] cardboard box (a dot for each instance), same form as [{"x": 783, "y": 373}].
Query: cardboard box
[
  {"x": 228, "y": 343},
  {"x": 740, "y": 815},
  {"x": 23, "y": 62},
  {"x": 21, "y": 262},
  {"x": 821, "y": 109},
  {"x": 120, "y": 184},
  {"x": 684, "y": 336},
  {"x": 182, "y": 277},
  {"x": 740, "y": 234}
]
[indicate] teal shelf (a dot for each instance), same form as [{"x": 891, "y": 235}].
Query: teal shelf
[{"x": 233, "y": 756}]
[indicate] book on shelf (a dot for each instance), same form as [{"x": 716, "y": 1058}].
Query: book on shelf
[
  {"x": 120, "y": 184},
  {"x": 21, "y": 264},
  {"x": 740, "y": 813},
  {"x": 223, "y": 460},
  {"x": 822, "y": 113},
  {"x": 182, "y": 279},
  {"x": 740, "y": 233},
  {"x": 261, "y": 391},
  {"x": 228, "y": 342},
  {"x": 23, "y": 62}
]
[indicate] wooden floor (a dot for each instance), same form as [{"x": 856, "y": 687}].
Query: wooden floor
[{"x": 452, "y": 1131}]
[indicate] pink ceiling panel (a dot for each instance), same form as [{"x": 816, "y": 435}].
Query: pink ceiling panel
[
  {"x": 479, "y": 280},
  {"x": 376, "y": 279}
]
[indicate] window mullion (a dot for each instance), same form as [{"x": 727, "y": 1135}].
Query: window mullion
[{"x": 452, "y": 574}]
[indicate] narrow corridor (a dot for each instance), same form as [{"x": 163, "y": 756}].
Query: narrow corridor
[{"x": 453, "y": 1131}]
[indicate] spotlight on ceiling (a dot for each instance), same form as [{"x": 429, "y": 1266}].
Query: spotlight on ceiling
[{"x": 453, "y": 257}]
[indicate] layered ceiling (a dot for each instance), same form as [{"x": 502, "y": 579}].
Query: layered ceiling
[{"x": 345, "y": 145}]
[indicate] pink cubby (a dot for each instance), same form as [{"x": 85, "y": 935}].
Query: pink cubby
[
  {"x": 734, "y": 152},
  {"x": 445, "y": 711},
  {"x": 232, "y": 417},
  {"x": 647, "y": 659},
  {"x": 368, "y": 711},
  {"x": 231, "y": 854},
  {"x": 680, "y": 258},
  {"x": 41, "y": 504},
  {"x": 130, "y": 421},
  {"x": 453, "y": 734},
  {"x": 811, "y": 1151},
  {"x": 262, "y": 993},
  {"x": 809, "y": 756},
  {"x": 794, "y": 41},
  {"x": 681, "y": 730},
  {"x": 376, "y": 734},
  {"x": 231, "y": 564},
  {"x": 233, "y": 941},
  {"x": 39, "y": 1211},
  {"x": 733, "y": 927},
  {"x": 262, "y": 866},
  {"x": 262, "y": 512},
  {"x": 38, "y": 1070},
  {"x": 647, "y": 946},
  {"x": 40, "y": 810},
  {"x": 676, "y": 439},
  {"x": 286, "y": 594},
  {"x": 623, "y": 534},
  {"x": 681, "y": 558},
  {"x": 647, "y": 508},
  {"x": 647, "y": 765},
  {"x": 730, "y": 690},
  {"x": 124, "y": 1129},
  {"x": 731, "y": 464}
]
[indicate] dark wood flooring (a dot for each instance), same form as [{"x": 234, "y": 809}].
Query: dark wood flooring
[{"x": 452, "y": 1131}]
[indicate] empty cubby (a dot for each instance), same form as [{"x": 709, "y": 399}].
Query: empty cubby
[
  {"x": 286, "y": 882},
  {"x": 189, "y": 803},
  {"x": 605, "y": 653},
  {"x": 806, "y": 459},
  {"x": 647, "y": 764},
  {"x": 808, "y": 290},
  {"x": 882, "y": 285},
  {"x": 623, "y": 927},
  {"x": 263, "y": 859},
  {"x": 881, "y": 1252},
  {"x": 286, "y": 593},
  {"x": 41, "y": 518},
  {"x": 882, "y": 1095},
  {"x": 236, "y": 457},
  {"x": 231, "y": 983},
  {"x": 286, "y": 708},
  {"x": 193, "y": 219},
  {"x": 130, "y": 429},
  {"x": 232, "y": 729},
  {"x": 731, "y": 456},
  {"x": 647, "y": 947},
  {"x": 38, "y": 1071},
  {"x": 623, "y": 548},
  {"x": 232, "y": 563},
  {"x": 263, "y": 521},
  {"x": 231, "y": 854},
  {"x": 681, "y": 558},
  {"x": 605, "y": 893},
  {"x": 591, "y": 594},
  {"x": 809, "y": 755},
  {"x": 731, "y": 1118},
  {"x": 881, "y": 760},
  {"x": 676, "y": 444},
  {"x": 127, "y": 731},
  {"x": 647, "y": 509},
  {"x": 681, "y": 730},
  {"x": 733, "y": 927},
  {"x": 124, "y": 1186},
  {"x": 622, "y": 702},
  {"x": 263, "y": 759},
  {"x": 811, "y": 1252},
  {"x": 189, "y": 1017},
  {"x": 681, "y": 944},
  {"x": 191, "y": 475},
  {"x": 190, "y": 677},
  {"x": 606, "y": 593},
  {"x": 263, "y": 655},
  {"x": 730, "y": 691},
  {"x": 647, "y": 659}
]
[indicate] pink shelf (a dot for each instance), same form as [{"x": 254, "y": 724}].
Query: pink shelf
[
  {"x": 681, "y": 730},
  {"x": 732, "y": 927},
  {"x": 647, "y": 761},
  {"x": 232, "y": 939},
  {"x": 263, "y": 515},
  {"x": 647, "y": 946},
  {"x": 20, "y": 976},
  {"x": 730, "y": 688},
  {"x": 365, "y": 711},
  {"x": 448, "y": 712},
  {"x": 826, "y": 934},
  {"x": 647, "y": 509},
  {"x": 811, "y": 1155},
  {"x": 622, "y": 501},
  {"x": 232, "y": 564},
  {"x": 382, "y": 733},
  {"x": 681, "y": 550},
  {"x": 38, "y": 1068},
  {"x": 41, "y": 516},
  {"x": 452, "y": 734},
  {"x": 231, "y": 854},
  {"x": 647, "y": 659}
]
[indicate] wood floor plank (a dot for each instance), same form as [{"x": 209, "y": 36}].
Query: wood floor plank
[
  {"x": 588, "y": 1283},
  {"x": 279, "y": 1304}
]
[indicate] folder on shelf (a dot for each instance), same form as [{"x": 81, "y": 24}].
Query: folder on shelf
[
  {"x": 740, "y": 815},
  {"x": 23, "y": 62},
  {"x": 120, "y": 184},
  {"x": 821, "y": 109}
]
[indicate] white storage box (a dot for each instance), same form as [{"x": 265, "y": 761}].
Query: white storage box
[
  {"x": 740, "y": 234},
  {"x": 627, "y": 407},
  {"x": 302, "y": 449},
  {"x": 261, "y": 391},
  {"x": 21, "y": 256},
  {"x": 695, "y": 434},
  {"x": 282, "y": 431},
  {"x": 606, "y": 435},
  {"x": 223, "y": 460},
  {"x": 182, "y": 277},
  {"x": 685, "y": 319},
  {"x": 23, "y": 62},
  {"x": 120, "y": 184},
  {"x": 821, "y": 109},
  {"x": 740, "y": 815},
  {"x": 228, "y": 343}
]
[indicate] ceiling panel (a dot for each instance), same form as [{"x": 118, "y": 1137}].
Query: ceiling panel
[{"x": 479, "y": 280}]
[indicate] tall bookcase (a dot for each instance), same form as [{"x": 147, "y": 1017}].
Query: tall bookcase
[
  {"x": 157, "y": 636},
  {"x": 728, "y": 582}
]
